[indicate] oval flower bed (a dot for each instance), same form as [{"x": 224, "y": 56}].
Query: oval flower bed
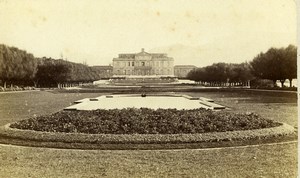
[{"x": 144, "y": 121}]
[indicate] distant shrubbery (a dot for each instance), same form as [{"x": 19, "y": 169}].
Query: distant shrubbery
[{"x": 144, "y": 121}]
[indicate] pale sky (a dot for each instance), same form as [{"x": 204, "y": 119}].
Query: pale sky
[{"x": 198, "y": 32}]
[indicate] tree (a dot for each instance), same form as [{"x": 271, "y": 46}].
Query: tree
[
  {"x": 290, "y": 65},
  {"x": 240, "y": 72},
  {"x": 29, "y": 67},
  {"x": 7, "y": 71},
  {"x": 264, "y": 66},
  {"x": 52, "y": 72},
  {"x": 276, "y": 64},
  {"x": 16, "y": 65},
  {"x": 196, "y": 75},
  {"x": 21, "y": 67},
  {"x": 221, "y": 73}
]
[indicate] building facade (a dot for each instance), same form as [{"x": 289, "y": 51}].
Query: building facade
[
  {"x": 181, "y": 71},
  {"x": 143, "y": 63}
]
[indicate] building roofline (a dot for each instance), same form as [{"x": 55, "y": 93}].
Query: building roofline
[{"x": 185, "y": 66}]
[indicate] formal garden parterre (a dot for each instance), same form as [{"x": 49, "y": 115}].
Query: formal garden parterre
[
  {"x": 144, "y": 121},
  {"x": 137, "y": 128}
]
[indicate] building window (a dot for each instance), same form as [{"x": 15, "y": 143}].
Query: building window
[
  {"x": 128, "y": 63},
  {"x": 143, "y": 63},
  {"x": 132, "y": 64}
]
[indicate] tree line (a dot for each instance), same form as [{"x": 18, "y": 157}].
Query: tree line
[
  {"x": 275, "y": 64},
  {"x": 18, "y": 67},
  {"x": 220, "y": 74}
]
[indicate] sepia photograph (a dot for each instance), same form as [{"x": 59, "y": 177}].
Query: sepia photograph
[{"x": 148, "y": 88}]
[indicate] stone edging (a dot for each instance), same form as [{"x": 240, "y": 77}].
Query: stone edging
[{"x": 281, "y": 130}]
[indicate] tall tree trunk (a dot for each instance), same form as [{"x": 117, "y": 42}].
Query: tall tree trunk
[
  {"x": 35, "y": 84},
  {"x": 291, "y": 83},
  {"x": 282, "y": 83},
  {"x": 4, "y": 85}
]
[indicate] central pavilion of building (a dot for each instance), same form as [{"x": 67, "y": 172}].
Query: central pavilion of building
[{"x": 143, "y": 64}]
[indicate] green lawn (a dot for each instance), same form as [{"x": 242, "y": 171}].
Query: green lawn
[
  {"x": 22, "y": 105},
  {"x": 281, "y": 107},
  {"x": 254, "y": 161}
]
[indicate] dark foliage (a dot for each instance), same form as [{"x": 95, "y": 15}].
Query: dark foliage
[
  {"x": 144, "y": 121},
  {"x": 276, "y": 64},
  {"x": 50, "y": 73},
  {"x": 17, "y": 67},
  {"x": 220, "y": 73}
]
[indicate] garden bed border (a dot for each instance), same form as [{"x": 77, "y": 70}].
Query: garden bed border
[{"x": 31, "y": 135}]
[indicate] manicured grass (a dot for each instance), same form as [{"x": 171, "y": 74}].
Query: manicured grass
[
  {"x": 280, "y": 107},
  {"x": 255, "y": 161},
  {"x": 144, "y": 121},
  {"x": 23, "y": 105}
]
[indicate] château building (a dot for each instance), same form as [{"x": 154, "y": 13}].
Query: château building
[{"x": 143, "y": 63}]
